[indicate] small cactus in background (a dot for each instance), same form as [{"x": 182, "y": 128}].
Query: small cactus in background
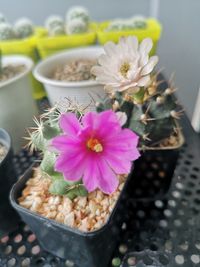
[
  {"x": 57, "y": 30},
  {"x": 23, "y": 28},
  {"x": 78, "y": 12},
  {"x": 75, "y": 26},
  {"x": 2, "y": 18},
  {"x": 6, "y": 31},
  {"x": 54, "y": 21},
  {"x": 39, "y": 138},
  {"x": 137, "y": 22}
]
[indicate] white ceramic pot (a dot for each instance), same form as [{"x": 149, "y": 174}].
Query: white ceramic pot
[
  {"x": 17, "y": 106},
  {"x": 81, "y": 91}
]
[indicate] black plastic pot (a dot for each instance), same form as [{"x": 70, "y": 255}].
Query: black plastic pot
[
  {"x": 7, "y": 179},
  {"x": 92, "y": 249}
]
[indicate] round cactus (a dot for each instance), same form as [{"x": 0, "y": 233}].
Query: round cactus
[
  {"x": 23, "y": 28},
  {"x": 2, "y": 18},
  {"x": 78, "y": 12},
  {"x": 76, "y": 26},
  {"x": 54, "y": 21},
  {"x": 139, "y": 22},
  {"x": 6, "y": 31},
  {"x": 57, "y": 30}
]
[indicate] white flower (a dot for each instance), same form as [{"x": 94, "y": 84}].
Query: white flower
[{"x": 125, "y": 65}]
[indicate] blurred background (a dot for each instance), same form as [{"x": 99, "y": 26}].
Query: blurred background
[{"x": 179, "y": 45}]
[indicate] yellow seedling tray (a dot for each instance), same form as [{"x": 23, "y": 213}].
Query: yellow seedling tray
[
  {"x": 26, "y": 47},
  {"x": 153, "y": 30},
  {"x": 47, "y": 45}
]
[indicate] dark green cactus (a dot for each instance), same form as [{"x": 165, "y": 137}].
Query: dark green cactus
[
  {"x": 40, "y": 137},
  {"x": 152, "y": 116}
]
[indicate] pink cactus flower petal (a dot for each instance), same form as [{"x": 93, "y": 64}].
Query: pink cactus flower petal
[{"x": 95, "y": 150}]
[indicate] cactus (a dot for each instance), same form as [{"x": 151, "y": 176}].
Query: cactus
[
  {"x": 151, "y": 113},
  {"x": 2, "y": 18},
  {"x": 57, "y": 30},
  {"x": 137, "y": 22},
  {"x": 78, "y": 12},
  {"x": 39, "y": 138},
  {"x": 23, "y": 28},
  {"x": 54, "y": 21},
  {"x": 76, "y": 26},
  {"x": 6, "y": 31}
]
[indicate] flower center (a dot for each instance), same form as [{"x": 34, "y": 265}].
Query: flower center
[
  {"x": 125, "y": 67},
  {"x": 94, "y": 145}
]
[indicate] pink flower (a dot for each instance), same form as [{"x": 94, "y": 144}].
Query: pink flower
[{"x": 95, "y": 150}]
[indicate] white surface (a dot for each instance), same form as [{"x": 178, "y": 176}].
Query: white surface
[
  {"x": 196, "y": 115},
  {"x": 81, "y": 91},
  {"x": 17, "y": 106}
]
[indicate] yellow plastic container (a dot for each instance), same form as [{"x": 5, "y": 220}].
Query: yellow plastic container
[
  {"x": 153, "y": 30},
  {"x": 26, "y": 47},
  {"x": 50, "y": 45}
]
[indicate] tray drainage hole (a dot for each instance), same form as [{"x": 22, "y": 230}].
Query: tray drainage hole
[
  {"x": 40, "y": 261},
  {"x": 21, "y": 250},
  {"x": 164, "y": 259},
  {"x": 69, "y": 263},
  {"x": 26, "y": 262},
  {"x": 54, "y": 261},
  {"x": 35, "y": 250},
  {"x": 8, "y": 250},
  {"x": 195, "y": 259},
  {"x": 179, "y": 259},
  {"x": 131, "y": 261},
  {"x": 11, "y": 262},
  {"x": 116, "y": 262},
  {"x": 147, "y": 260},
  {"x": 172, "y": 203},
  {"x": 18, "y": 238},
  {"x": 4, "y": 239},
  {"x": 26, "y": 228},
  {"x": 196, "y": 169},
  {"x": 167, "y": 213},
  {"x": 31, "y": 238},
  {"x": 123, "y": 249},
  {"x": 197, "y": 245},
  {"x": 159, "y": 204}
]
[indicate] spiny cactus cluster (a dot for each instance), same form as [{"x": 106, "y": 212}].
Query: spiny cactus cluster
[
  {"x": 77, "y": 21},
  {"x": 23, "y": 28},
  {"x": 152, "y": 113},
  {"x": 39, "y": 139},
  {"x": 136, "y": 22}
]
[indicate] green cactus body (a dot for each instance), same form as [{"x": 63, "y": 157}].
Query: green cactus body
[
  {"x": 47, "y": 128},
  {"x": 6, "y": 32},
  {"x": 78, "y": 12},
  {"x": 153, "y": 119}
]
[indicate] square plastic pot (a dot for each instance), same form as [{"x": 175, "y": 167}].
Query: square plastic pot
[{"x": 84, "y": 249}]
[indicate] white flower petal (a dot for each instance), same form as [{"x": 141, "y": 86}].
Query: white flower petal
[
  {"x": 132, "y": 43},
  {"x": 150, "y": 65},
  {"x": 122, "y": 117},
  {"x": 144, "y": 81},
  {"x": 110, "y": 48},
  {"x": 145, "y": 46}
]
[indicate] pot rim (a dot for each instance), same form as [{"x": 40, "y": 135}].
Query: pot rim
[
  {"x": 177, "y": 146},
  {"x": 8, "y": 146},
  {"x": 70, "y": 52},
  {"x": 19, "y": 59},
  {"x": 23, "y": 180}
]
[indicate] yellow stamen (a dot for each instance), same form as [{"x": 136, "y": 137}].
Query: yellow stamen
[
  {"x": 94, "y": 145},
  {"x": 125, "y": 67}
]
